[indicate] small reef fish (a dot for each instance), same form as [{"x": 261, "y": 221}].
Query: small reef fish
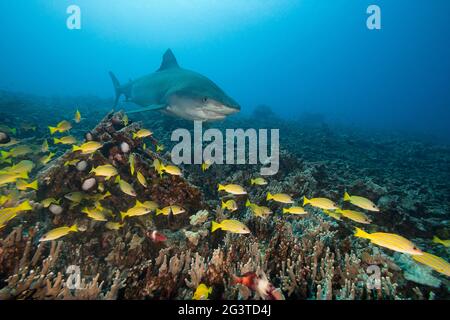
[
  {"x": 172, "y": 170},
  {"x": 65, "y": 140},
  {"x": 141, "y": 179},
  {"x": 94, "y": 213},
  {"x": 151, "y": 205},
  {"x": 233, "y": 226},
  {"x": 333, "y": 214},
  {"x": 258, "y": 181},
  {"x": 355, "y": 216},
  {"x": 125, "y": 187},
  {"x": 173, "y": 209},
  {"x": 202, "y": 292},
  {"x": 280, "y": 197},
  {"x": 88, "y": 147},
  {"x": 44, "y": 146},
  {"x": 158, "y": 166},
  {"x": 114, "y": 225},
  {"x": 259, "y": 284},
  {"x": 232, "y": 189},
  {"x": 63, "y": 126},
  {"x": 46, "y": 159},
  {"x": 16, "y": 152},
  {"x": 106, "y": 171},
  {"x": 295, "y": 210},
  {"x": 230, "y": 205},
  {"x": 131, "y": 161},
  {"x": 71, "y": 162},
  {"x": 435, "y": 262},
  {"x": 445, "y": 243},
  {"x": 99, "y": 197},
  {"x": 321, "y": 203},
  {"x": 24, "y": 206},
  {"x": 206, "y": 165},
  {"x": 47, "y": 202},
  {"x": 361, "y": 202},
  {"x": 58, "y": 233},
  {"x": 159, "y": 147},
  {"x": 75, "y": 197},
  {"x": 257, "y": 210},
  {"x": 137, "y": 210},
  {"x": 142, "y": 133},
  {"x": 21, "y": 167},
  {"x": 23, "y": 185},
  {"x": 390, "y": 241},
  {"x": 156, "y": 236},
  {"x": 6, "y": 178},
  {"x": 125, "y": 120},
  {"x": 77, "y": 117}
]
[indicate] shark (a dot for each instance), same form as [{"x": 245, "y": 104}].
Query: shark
[{"x": 177, "y": 92}]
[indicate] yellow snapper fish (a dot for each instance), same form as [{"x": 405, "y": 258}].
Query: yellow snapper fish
[
  {"x": 125, "y": 187},
  {"x": 280, "y": 197},
  {"x": 94, "y": 213},
  {"x": 76, "y": 196},
  {"x": 173, "y": 209},
  {"x": 63, "y": 126},
  {"x": 257, "y": 210},
  {"x": 8, "y": 214},
  {"x": 142, "y": 133},
  {"x": 390, "y": 241},
  {"x": 23, "y": 185},
  {"x": 206, "y": 165},
  {"x": 6, "y": 178},
  {"x": 233, "y": 226},
  {"x": 159, "y": 148},
  {"x": 71, "y": 162},
  {"x": 141, "y": 179},
  {"x": 46, "y": 159},
  {"x": 13, "y": 142},
  {"x": 87, "y": 147},
  {"x": 99, "y": 197},
  {"x": 136, "y": 211},
  {"x": 16, "y": 152},
  {"x": 172, "y": 170},
  {"x": 445, "y": 243},
  {"x": 202, "y": 292},
  {"x": 295, "y": 210},
  {"x": 106, "y": 171},
  {"x": 65, "y": 140},
  {"x": 158, "y": 166},
  {"x": 258, "y": 181},
  {"x": 321, "y": 203},
  {"x": 114, "y": 225},
  {"x": 355, "y": 216},
  {"x": 333, "y": 214},
  {"x": 131, "y": 161},
  {"x": 44, "y": 146},
  {"x": 232, "y": 189},
  {"x": 48, "y": 201},
  {"x": 435, "y": 262},
  {"x": 361, "y": 202},
  {"x": 77, "y": 117},
  {"x": 58, "y": 233},
  {"x": 22, "y": 166},
  {"x": 125, "y": 120},
  {"x": 151, "y": 205},
  {"x": 230, "y": 205}
]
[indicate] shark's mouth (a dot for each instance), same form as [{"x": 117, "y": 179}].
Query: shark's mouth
[{"x": 201, "y": 113}]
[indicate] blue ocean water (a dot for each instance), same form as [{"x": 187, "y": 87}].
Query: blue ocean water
[{"x": 295, "y": 56}]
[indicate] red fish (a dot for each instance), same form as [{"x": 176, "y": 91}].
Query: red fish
[
  {"x": 156, "y": 236},
  {"x": 259, "y": 284}
]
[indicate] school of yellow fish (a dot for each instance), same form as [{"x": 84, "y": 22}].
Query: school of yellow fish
[{"x": 16, "y": 171}]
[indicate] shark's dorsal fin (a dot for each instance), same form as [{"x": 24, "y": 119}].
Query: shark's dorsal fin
[{"x": 169, "y": 61}]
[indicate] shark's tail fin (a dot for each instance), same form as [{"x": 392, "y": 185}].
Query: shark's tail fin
[{"x": 117, "y": 88}]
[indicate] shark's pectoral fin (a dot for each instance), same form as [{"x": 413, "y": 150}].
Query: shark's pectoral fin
[{"x": 152, "y": 107}]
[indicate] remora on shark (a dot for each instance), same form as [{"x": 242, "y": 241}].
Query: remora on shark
[{"x": 178, "y": 92}]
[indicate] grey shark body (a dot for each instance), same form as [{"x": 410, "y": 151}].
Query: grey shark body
[{"x": 178, "y": 92}]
